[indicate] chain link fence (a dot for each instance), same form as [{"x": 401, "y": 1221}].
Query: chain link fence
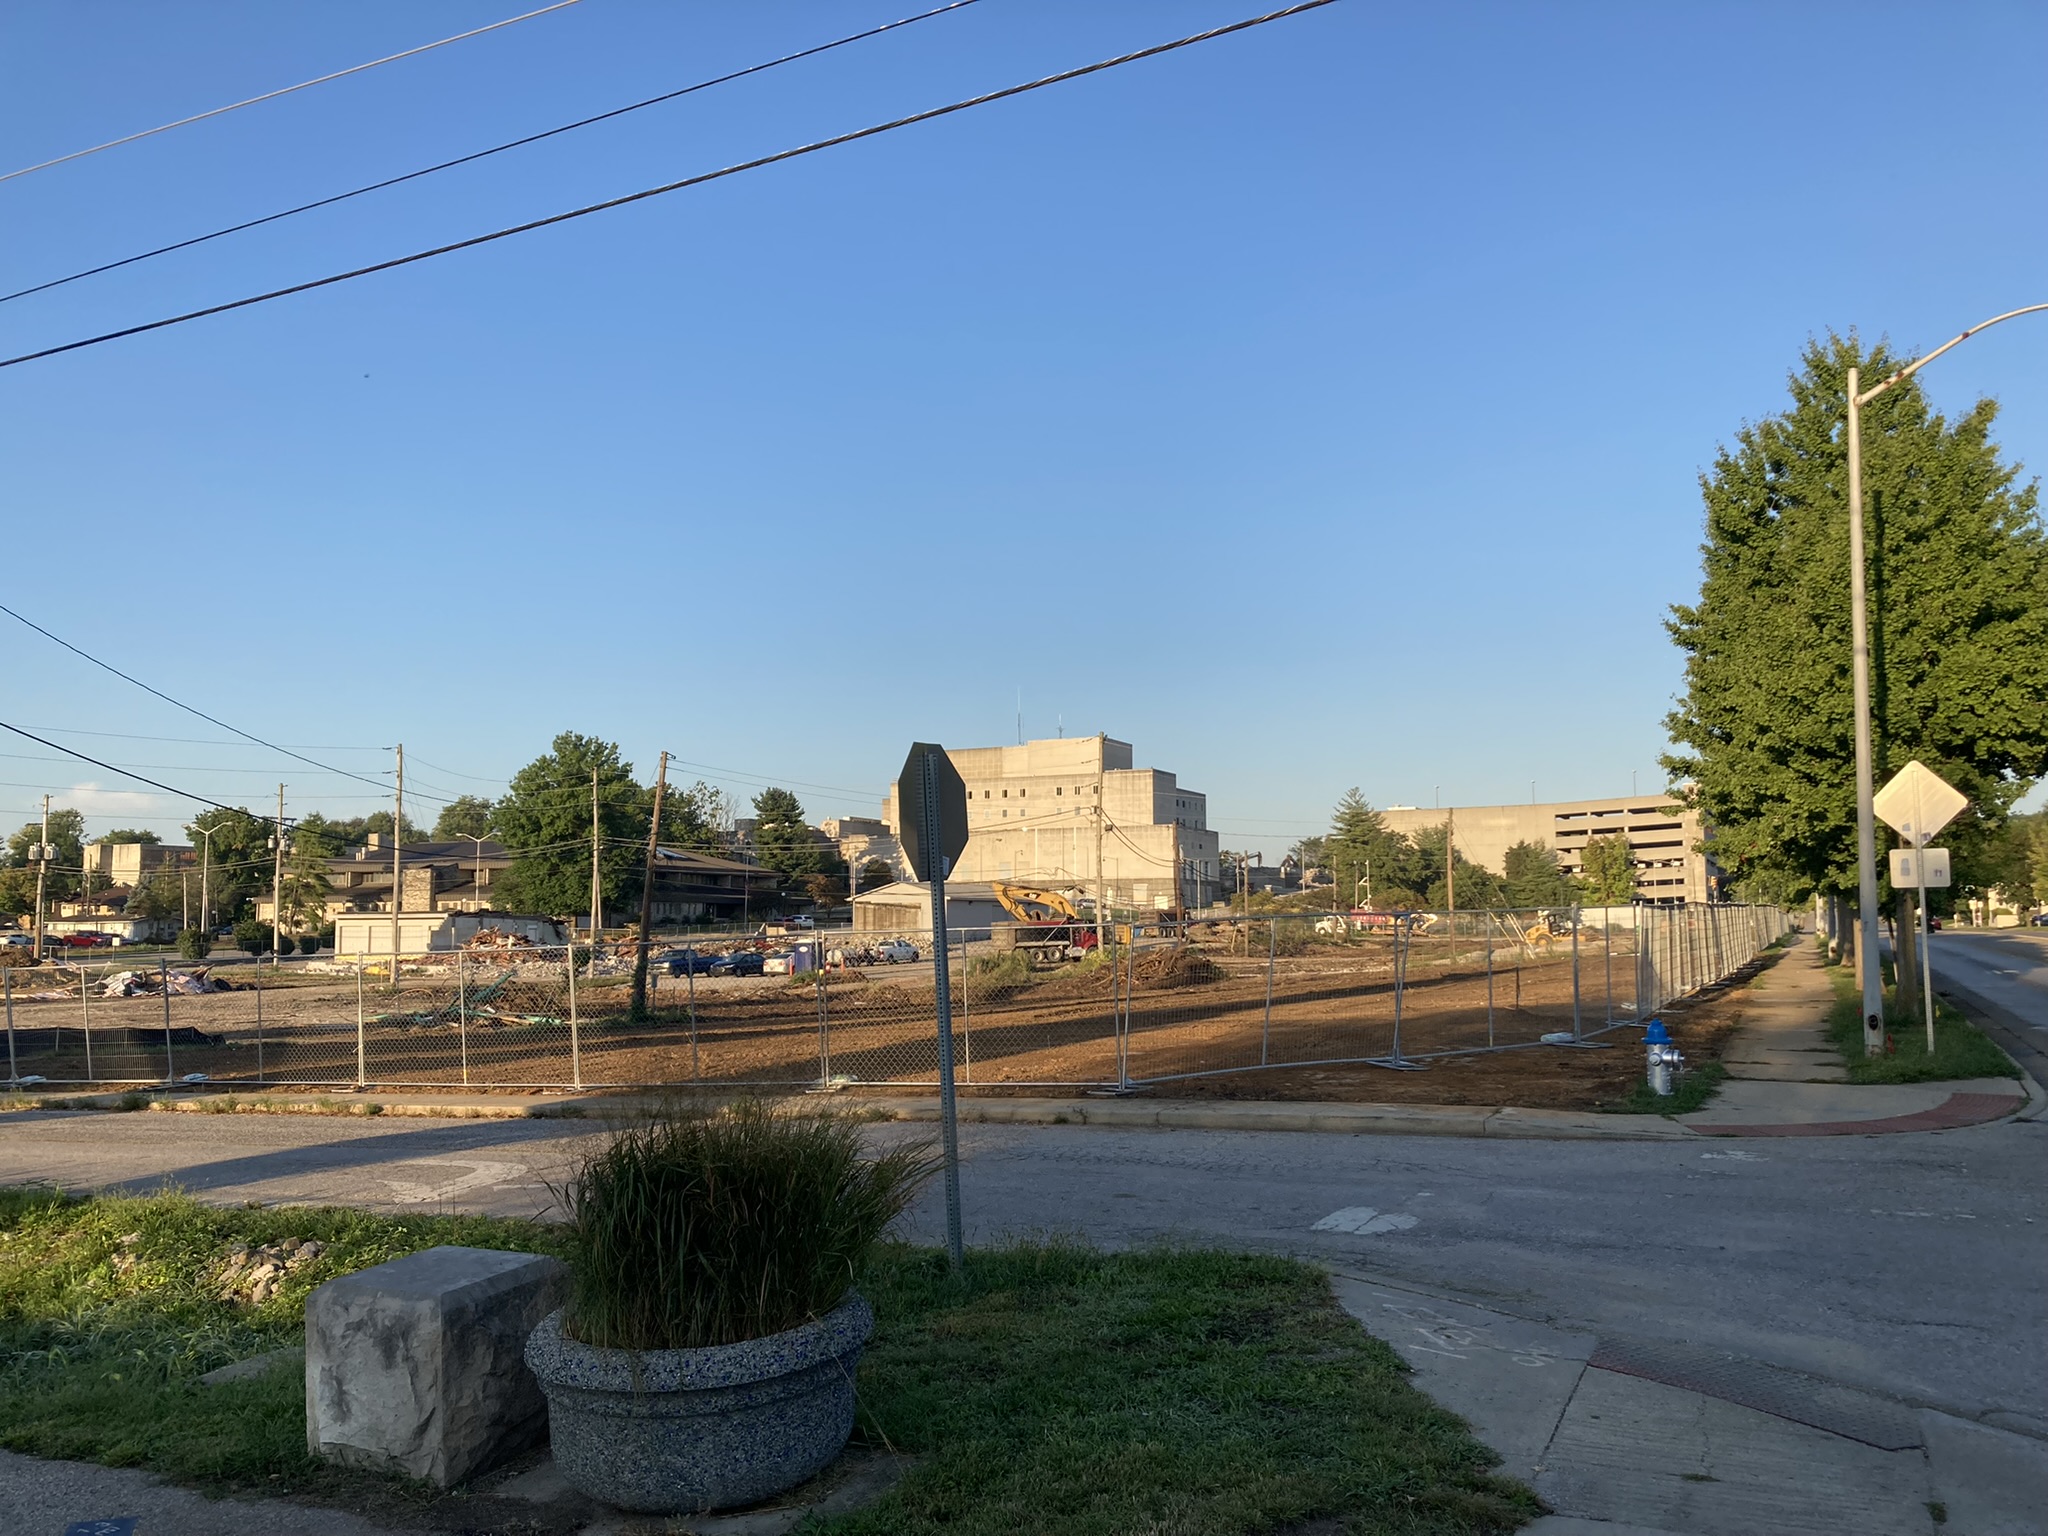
[{"x": 1218, "y": 995}]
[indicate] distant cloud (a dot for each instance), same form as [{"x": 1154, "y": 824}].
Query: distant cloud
[{"x": 95, "y": 801}]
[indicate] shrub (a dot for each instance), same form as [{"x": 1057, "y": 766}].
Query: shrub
[
  {"x": 694, "y": 1229},
  {"x": 309, "y": 943},
  {"x": 194, "y": 945},
  {"x": 252, "y": 937}
]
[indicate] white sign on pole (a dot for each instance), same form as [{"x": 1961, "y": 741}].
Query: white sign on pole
[
  {"x": 1918, "y": 802},
  {"x": 1926, "y": 868}
]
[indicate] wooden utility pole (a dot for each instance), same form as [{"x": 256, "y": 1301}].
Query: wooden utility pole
[
  {"x": 277, "y": 883},
  {"x": 1451, "y": 865},
  {"x": 397, "y": 860},
  {"x": 42, "y": 872},
  {"x": 596, "y": 889},
  {"x": 639, "y": 1007}
]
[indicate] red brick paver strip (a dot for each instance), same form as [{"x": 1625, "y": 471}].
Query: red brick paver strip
[{"x": 1960, "y": 1109}]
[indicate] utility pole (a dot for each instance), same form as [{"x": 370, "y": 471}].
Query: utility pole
[
  {"x": 277, "y": 884},
  {"x": 1451, "y": 868},
  {"x": 42, "y": 871},
  {"x": 639, "y": 1007},
  {"x": 1866, "y": 818},
  {"x": 1101, "y": 810},
  {"x": 397, "y": 860},
  {"x": 596, "y": 889}
]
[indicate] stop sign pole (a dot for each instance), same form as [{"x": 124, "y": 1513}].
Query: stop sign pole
[{"x": 931, "y": 803}]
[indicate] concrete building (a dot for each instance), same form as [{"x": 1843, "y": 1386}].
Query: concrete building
[
  {"x": 1069, "y": 812},
  {"x": 128, "y": 863},
  {"x": 364, "y": 933},
  {"x": 862, "y": 839},
  {"x": 1665, "y": 838}
]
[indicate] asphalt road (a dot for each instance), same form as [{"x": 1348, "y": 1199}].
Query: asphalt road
[
  {"x": 2000, "y": 974},
  {"x": 1906, "y": 1264}
]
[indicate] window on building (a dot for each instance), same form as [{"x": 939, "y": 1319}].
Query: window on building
[
  {"x": 1006, "y": 794},
  {"x": 1059, "y": 789},
  {"x": 1022, "y": 793}
]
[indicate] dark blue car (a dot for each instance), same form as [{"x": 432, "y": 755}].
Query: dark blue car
[
  {"x": 686, "y": 962},
  {"x": 743, "y": 962}
]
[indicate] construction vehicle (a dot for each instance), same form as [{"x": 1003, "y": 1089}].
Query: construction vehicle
[{"x": 1046, "y": 925}]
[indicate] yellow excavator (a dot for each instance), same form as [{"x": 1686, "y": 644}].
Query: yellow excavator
[{"x": 1047, "y": 925}]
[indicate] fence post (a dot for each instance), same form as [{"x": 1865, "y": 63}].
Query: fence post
[
  {"x": 966, "y": 1022},
  {"x": 259, "y": 1030},
  {"x": 163, "y": 972},
  {"x": 691, "y": 958},
  {"x": 1272, "y": 956},
  {"x": 362, "y": 1062},
  {"x": 1577, "y": 1035},
  {"x": 462, "y": 1010},
  {"x": 7, "y": 977},
  {"x": 824, "y": 1019},
  {"x": 85, "y": 1027},
  {"x": 575, "y": 1026},
  {"x": 1607, "y": 953},
  {"x": 1489, "y": 977}
]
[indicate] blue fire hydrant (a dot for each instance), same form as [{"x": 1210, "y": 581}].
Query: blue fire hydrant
[{"x": 1664, "y": 1059}]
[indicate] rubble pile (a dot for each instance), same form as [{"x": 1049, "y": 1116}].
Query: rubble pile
[
  {"x": 254, "y": 1274},
  {"x": 497, "y": 939},
  {"x": 153, "y": 984}
]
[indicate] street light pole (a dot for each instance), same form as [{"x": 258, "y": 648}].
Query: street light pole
[{"x": 1859, "y": 630}]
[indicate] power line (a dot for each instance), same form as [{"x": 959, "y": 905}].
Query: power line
[
  {"x": 675, "y": 186},
  {"x": 159, "y": 693},
  {"x": 169, "y": 789},
  {"x": 353, "y": 69},
  {"x": 196, "y": 741},
  {"x": 496, "y": 149}
]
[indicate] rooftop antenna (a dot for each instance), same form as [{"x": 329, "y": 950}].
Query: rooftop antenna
[{"x": 1020, "y": 717}]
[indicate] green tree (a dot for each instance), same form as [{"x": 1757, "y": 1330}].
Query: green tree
[
  {"x": 783, "y": 839},
  {"x": 240, "y": 863},
  {"x": 699, "y": 817},
  {"x": 1609, "y": 867},
  {"x": 302, "y": 898},
  {"x": 544, "y": 820},
  {"x": 1359, "y": 844},
  {"x": 1530, "y": 877},
  {"x": 1958, "y": 581},
  {"x": 127, "y": 835},
  {"x": 876, "y": 872},
  {"x": 160, "y": 895},
  {"x": 252, "y": 937},
  {"x": 465, "y": 816}
]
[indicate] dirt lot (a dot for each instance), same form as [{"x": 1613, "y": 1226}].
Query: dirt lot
[{"x": 1188, "y": 1011}]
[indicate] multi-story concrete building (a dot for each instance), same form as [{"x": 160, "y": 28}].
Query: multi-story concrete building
[
  {"x": 1071, "y": 813},
  {"x": 1666, "y": 838}
]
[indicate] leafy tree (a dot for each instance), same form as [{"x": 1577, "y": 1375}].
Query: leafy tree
[
  {"x": 1478, "y": 886},
  {"x": 127, "y": 835},
  {"x": 333, "y": 836},
  {"x": 252, "y": 937},
  {"x": 159, "y": 895},
  {"x": 465, "y": 816},
  {"x": 1531, "y": 878},
  {"x": 544, "y": 820},
  {"x": 240, "y": 863},
  {"x": 1360, "y": 842},
  {"x": 1958, "y": 582},
  {"x": 67, "y": 831},
  {"x": 194, "y": 945},
  {"x": 783, "y": 839},
  {"x": 1609, "y": 868},
  {"x": 699, "y": 817},
  {"x": 302, "y": 899},
  {"x": 876, "y": 872}
]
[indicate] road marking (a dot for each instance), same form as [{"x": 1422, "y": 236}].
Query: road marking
[
  {"x": 1364, "y": 1220},
  {"x": 406, "y": 1192},
  {"x": 1734, "y": 1156}
]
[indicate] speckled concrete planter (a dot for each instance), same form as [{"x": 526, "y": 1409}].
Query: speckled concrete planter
[{"x": 686, "y": 1431}]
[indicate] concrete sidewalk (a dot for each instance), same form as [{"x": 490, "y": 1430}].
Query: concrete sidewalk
[{"x": 1634, "y": 1438}]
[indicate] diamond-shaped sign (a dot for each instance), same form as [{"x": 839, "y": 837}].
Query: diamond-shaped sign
[{"x": 1918, "y": 803}]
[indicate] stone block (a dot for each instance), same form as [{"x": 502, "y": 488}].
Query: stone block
[{"x": 419, "y": 1366}]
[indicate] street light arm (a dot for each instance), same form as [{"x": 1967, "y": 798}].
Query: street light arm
[{"x": 1914, "y": 367}]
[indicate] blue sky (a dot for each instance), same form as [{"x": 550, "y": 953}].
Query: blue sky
[{"x": 1320, "y": 406}]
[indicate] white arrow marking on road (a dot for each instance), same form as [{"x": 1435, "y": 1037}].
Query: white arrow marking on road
[
  {"x": 407, "y": 1193},
  {"x": 1364, "y": 1220}
]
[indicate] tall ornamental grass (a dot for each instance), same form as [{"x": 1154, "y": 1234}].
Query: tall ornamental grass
[{"x": 694, "y": 1229}]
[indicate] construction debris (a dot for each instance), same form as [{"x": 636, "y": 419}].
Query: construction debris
[{"x": 154, "y": 983}]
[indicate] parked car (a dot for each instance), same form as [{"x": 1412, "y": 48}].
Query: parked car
[
  {"x": 85, "y": 940},
  {"x": 691, "y": 962},
  {"x": 896, "y": 951},
  {"x": 2039, "y": 920},
  {"x": 27, "y": 940},
  {"x": 743, "y": 962}
]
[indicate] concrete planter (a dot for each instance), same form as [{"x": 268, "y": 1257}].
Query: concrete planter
[{"x": 687, "y": 1431}]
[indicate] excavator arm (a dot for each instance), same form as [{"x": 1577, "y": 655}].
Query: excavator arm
[{"x": 1014, "y": 899}]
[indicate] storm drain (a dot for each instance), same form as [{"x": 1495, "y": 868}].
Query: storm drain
[{"x": 1844, "y": 1411}]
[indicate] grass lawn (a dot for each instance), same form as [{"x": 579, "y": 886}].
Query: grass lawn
[
  {"x": 1694, "y": 1087},
  {"x": 1050, "y": 1388},
  {"x": 1960, "y": 1048}
]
